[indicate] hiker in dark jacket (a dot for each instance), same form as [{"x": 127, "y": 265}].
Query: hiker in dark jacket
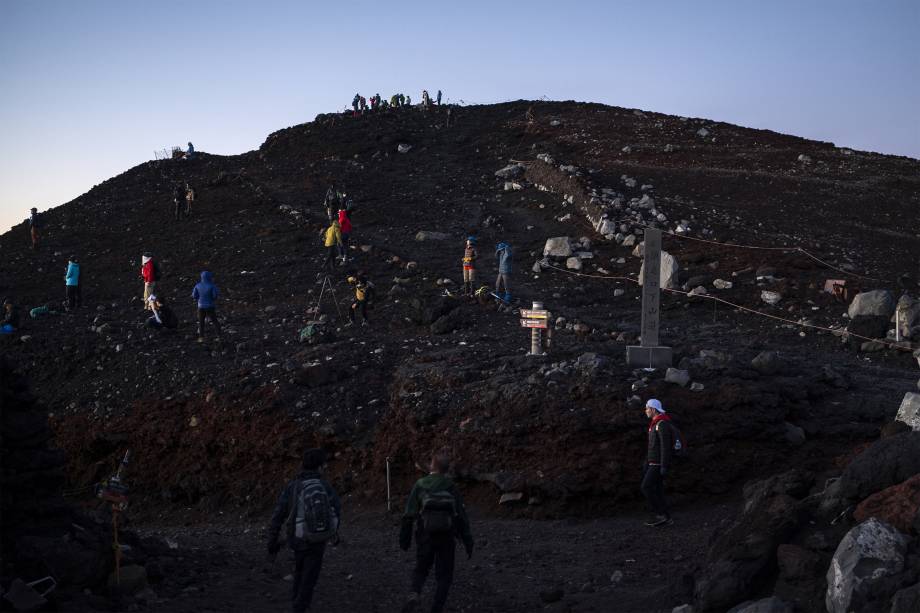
[
  {"x": 657, "y": 462},
  {"x": 436, "y": 510},
  {"x": 178, "y": 199},
  {"x": 163, "y": 316},
  {"x": 308, "y": 553},
  {"x": 504, "y": 256},
  {"x": 35, "y": 226},
  {"x": 206, "y": 293}
]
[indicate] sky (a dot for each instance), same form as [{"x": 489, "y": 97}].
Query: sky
[{"x": 89, "y": 89}]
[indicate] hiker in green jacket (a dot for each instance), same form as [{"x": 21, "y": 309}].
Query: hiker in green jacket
[{"x": 436, "y": 510}]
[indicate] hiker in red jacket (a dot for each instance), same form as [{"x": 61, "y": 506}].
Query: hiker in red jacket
[
  {"x": 151, "y": 275},
  {"x": 658, "y": 460},
  {"x": 345, "y": 226}
]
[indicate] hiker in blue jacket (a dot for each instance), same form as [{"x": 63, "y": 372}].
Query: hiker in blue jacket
[
  {"x": 206, "y": 293},
  {"x": 308, "y": 489},
  {"x": 504, "y": 255},
  {"x": 72, "y": 282}
]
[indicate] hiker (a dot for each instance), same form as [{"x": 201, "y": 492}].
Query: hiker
[
  {"x": 150, "y": 272},
  {"x": 206, "y": 293},
  {"x": 333, "y": 196},
  {"x": 439, "y": 97},
  {"x": 364, "y": 293},
  {"x": 163, "y": 316},
  {"x": 10, "y": 322},
  {"x": 658, "y": 460},
  {"x": 470, "y": 255},
  {"x": 72, "y": 283},
  {"x": 394, "y": 100},
  {"x": 178, "y": 198},
  {"x": 402, "y": 100},
  {"x": 436, "y": 509},
  {"x": 35, "y": 226},
  {"x": 345, "y": 228},
  {"x": 504, "y": 255},
  {"x": 447, "y": 121},
  {"x": 312, "y": 511},
  {"x": 354, "y": 105},
  {"x": 408, "y": 100},
  {"x": 190, "y": 152},
  {"x": 189, "y": 199},
  {"x": 332, "y": 240},
  {"x": 426, "y": 99}
]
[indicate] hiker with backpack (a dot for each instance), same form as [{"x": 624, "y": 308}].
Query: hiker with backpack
[
  {"x": 664, "y": 441},
  {"x": 189, "y": 199},
  {"x": 332, "y": 240},
  {"x": 436, "y": 511},
  {"x": 9, "y": 318},
  {"x": 72, "y": 283},
  {"x": 205, "y": 292},
  {"x": 470, "y": 255},
  {"x": 311, "y": 510},
  {"x": 364, "y": 293},
  {"x": 35, "y": 226},
  {"x": 150, "y": 272},
  {"x": 345, "y": 229}
]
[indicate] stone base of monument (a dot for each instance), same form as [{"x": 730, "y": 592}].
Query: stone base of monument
[{"x": 648, "y": 357}]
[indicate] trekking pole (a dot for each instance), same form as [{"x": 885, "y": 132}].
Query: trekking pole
[{"x": 388, "y": 484}]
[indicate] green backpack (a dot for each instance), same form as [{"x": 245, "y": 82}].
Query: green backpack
[{"x": 438, "y": 512}]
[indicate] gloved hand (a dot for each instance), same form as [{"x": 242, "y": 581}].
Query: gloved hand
[
  {"x": 663, "y": 471},
  {"x": 274, "y": 547},
  {"x": 405, "y": 533},
  {"x": 468, "y": 544}
]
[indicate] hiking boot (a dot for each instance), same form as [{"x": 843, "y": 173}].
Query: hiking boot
[
  {"x": 412, "y": 602},
  {"x": 364, "y": 323},
  {"x": 659, "y": 520}
]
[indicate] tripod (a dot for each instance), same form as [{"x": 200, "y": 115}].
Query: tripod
[{"x": 328, "y": 288}]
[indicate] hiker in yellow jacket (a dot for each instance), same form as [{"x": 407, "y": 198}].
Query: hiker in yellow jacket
[{"x": 332, "y": 238}]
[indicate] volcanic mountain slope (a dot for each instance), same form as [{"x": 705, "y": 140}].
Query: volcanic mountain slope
[{"x": 225, "y": 420}]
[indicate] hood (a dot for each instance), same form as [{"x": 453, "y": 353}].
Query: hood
[{"x": 205, "y": 276}]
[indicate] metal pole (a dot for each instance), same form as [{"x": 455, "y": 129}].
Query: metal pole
[
  {"x": 897, "y": 325},
  {"x": 388, "y": 484},
  {"x": 536, "y": 338}
]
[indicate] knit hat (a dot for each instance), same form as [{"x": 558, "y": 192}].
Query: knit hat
[{"x": 655, "y": 404}]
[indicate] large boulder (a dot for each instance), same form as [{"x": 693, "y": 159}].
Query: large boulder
[
  {"x": 908, "y": 317},
  {"x": 878, "y": 302},
  {"x": 898, "y": 505},
  {"x": 868, "y": 326},
  {"x": 512, "y": 171},
  {"x": 861, "y": 571},
  {"x": 886, "y": 462},
  {"x": 669, "y": 269},
  {"x": 909, "y": 411},
  {"x": 742, "y": 557},
  {"x": 558, "y": 247}
]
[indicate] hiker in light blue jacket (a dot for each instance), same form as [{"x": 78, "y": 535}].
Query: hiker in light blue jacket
[
  {"x": 504, "y": 255},
  {"x": 72, "y": 281}
]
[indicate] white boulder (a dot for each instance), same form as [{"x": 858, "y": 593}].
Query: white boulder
[
  {"x": 558, "y": 247},
  {"x": 909, "y": 411},
  {"x": 668, "y": 271}
]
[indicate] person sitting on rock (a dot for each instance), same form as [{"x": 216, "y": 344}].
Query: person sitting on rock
[
  {"x": 658, "y": 461},
  {"x": 504, "y": 255},
  {"x": 163, "y": 316},
  {"x": 436, "y": 510},
  {"x": 10, "y": 321},
  {"x": 364, "y": 292},
  {"x": 190, "y": 152},
  {"x": 206, "y": 293},
  {"x": 470, "y": 255},
  {"x": 312, "y": 511}
]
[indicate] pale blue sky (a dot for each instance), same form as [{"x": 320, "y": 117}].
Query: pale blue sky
[{"x": 91, "y": 87}]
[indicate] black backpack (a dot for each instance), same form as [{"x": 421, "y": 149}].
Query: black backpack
[
  {"x": 156, "y": 271},
  {"x": 314, "y": 519},
  {"x": 679, "y": 449},
  {"x": 439, "y": 512}
]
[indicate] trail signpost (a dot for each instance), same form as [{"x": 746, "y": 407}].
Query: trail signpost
[
  {"x": 537, "y": 319},
  {"x": 649, "y": 353}
]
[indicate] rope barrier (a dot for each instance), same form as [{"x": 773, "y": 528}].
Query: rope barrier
[{"x": 737, "y": 306}]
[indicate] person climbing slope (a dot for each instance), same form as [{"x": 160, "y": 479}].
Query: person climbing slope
[
  {"x": 345, "y": 229},
  {"x": 72, "y": 283},
  {"x": 364, "y": 293},
  {"x": 150, "y": 273},
  {"x": 205, "y": 292},
  {"x": 332, "y": 240},
  {"x": 470, "y": 255},
  {"x": 504, "y": 255}
]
